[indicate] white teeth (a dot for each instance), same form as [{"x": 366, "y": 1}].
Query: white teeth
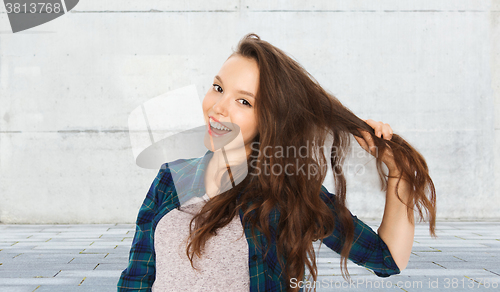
[{"x": 218, "y": 125}]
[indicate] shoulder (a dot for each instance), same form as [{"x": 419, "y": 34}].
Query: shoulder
[
  {"x": 162, "y": 186},
  {"x": 180, "y": 171},
  {"x": 164, "y": 177}
]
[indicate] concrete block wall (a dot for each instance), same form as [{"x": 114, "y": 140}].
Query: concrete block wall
[{"x": 428, "y": 68}]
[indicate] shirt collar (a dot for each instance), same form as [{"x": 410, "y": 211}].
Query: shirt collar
[{"x": 189, "y": 176}]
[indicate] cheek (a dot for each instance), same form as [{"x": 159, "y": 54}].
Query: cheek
[
  {"x": 255, "y": 131},
  {"x": 250, "y": 127}
]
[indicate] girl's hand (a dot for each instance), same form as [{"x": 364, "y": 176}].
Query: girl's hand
[{"x": 381, "y": 130}]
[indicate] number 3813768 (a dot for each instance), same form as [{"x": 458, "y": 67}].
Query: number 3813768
[{"x": 34, "y": 7}]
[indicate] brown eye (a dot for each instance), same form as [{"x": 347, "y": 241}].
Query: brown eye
[
  {"x": 245, "y": 102},
  {"x": 216, "y": 87}
]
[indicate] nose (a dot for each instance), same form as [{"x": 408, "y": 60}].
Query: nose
[{"x": 221, "y": 105}]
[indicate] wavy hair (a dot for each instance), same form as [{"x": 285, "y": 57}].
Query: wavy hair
[{"x": 293, "y": 110}]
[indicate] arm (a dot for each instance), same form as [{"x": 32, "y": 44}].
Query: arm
[
  {"x": 140, "y": 272},
  {"x": 396, "y": 230}
]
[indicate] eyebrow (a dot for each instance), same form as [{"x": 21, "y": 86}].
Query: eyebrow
[{"x": 239, "y": 91}]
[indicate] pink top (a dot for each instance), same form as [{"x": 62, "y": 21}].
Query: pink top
[{"x": 223, "y": 265}]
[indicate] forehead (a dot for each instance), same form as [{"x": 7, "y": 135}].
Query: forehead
[{"x": 240, "y": 71}]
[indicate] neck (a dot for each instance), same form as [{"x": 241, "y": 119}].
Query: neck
[{"x": 217, "y": 167}]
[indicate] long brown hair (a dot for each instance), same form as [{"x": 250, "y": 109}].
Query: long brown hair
[{"x": 293, "y": 111}]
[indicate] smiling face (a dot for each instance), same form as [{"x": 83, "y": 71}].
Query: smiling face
[{"x": 229, "y": 103}]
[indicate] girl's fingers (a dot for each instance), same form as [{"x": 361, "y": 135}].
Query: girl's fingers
[
  {"x": 387, "y": 132},
  {"x": 377, "y": 126},
  {"x": 381, "y": 130}
]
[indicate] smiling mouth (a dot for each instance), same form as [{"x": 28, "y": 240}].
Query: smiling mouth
[
  {"x": 218, "y": 135},
  {"x": 218, "y": 128}
]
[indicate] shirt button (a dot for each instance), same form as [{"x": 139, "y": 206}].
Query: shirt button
[{"x": 254, "y": 257}]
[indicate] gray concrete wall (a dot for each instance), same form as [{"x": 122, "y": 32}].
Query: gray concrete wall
[{"x": 428, "y": 68}]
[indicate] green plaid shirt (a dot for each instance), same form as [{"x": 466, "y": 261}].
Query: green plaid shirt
[{"x": 368, "y": 249}]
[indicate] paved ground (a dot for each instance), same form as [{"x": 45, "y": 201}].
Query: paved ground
[{"x": 464, "y": 257}]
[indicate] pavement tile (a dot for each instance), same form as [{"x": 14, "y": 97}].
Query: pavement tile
[
  {"x": 37, "y": 281},
  {"x": 29, "y": 288},
  {"x": 468, "y": 265},
  {"x": 29, "y": 273},
  {"x": 111, "y": 266},
  {"x": 77, "y": 288},
  {"x": 101, "y": 281},
  {"x": 78, "y": 267},
  {"x": 90, "y": 273},
  {"x": 86, "y": 258}
]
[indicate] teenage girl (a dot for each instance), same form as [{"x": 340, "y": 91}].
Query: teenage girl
[{"x": 257, "y": 234}]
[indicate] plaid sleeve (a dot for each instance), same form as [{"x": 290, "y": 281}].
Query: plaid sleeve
[
  {"x": 140, "y": 272},
  {"x": 367, "y": 250}
]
